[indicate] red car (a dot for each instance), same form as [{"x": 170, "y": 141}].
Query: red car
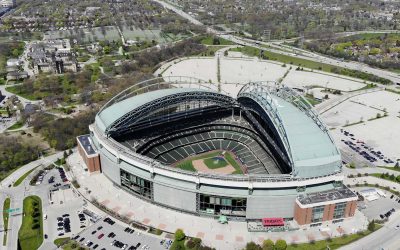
[{"x": 100, "y": 236}]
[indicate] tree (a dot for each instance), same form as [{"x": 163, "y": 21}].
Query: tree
[
  {"x": 268, "y": 245},
  {"x": 371, "y": 226},
  {"x": 280, "y": 245},
  {"x": 398, "y": 178},
  {"x": 252, "y": 246},
  {"x": 179, "y": 235}
]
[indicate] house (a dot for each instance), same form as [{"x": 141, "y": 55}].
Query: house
[{"x": 17, "y": 75}]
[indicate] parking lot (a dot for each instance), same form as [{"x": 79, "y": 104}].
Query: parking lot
[
  {"x": 62, "y": 201},
  {"x": 381, "y": 206},
  {"x": 107, "y": 235}
]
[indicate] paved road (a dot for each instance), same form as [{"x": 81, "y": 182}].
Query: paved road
[
  {"x": 387, "y": 238},
  {"x": 18, "y": 193}
]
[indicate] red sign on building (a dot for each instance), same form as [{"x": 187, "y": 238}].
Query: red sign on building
[{"x": 267, "y": 222}]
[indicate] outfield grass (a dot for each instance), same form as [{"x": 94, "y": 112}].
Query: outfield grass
[
  {"x": 187, "y": 164},
  {"x": 209, "y": 161},
  {"x": 22, "y": 178},
  {"x": 6, "y": 206},
  {"x": 334, "y": 243},
  {"x": 234, "y": 163},
  {"x": 213, "y": 163},
  {"x": 30, "y": 234}
]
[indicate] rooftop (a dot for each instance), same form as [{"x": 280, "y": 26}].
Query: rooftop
[
  {"x": 112, "y": 113},
  {"x": 338, "y": 193},
  {"x": 311, "y": 147},
  {"x": 87, "y": 144}
]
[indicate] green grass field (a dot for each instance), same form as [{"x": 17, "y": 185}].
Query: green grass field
[
  {"x": 6, "y": 206},
  {"x": 30, "y": 234},
  {"x": 214, "y": 163},
  {"x": 335, "y": 243},
  {"x": 22, "y": 178},
  {"x": 210, "y": 162},
  {"x": 16, "y": 125}
]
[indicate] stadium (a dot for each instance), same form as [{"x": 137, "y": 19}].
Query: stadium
[{"x": 182, "y": 144}]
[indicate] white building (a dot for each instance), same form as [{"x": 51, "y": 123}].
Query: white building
[{"x": 8, "y": 3}]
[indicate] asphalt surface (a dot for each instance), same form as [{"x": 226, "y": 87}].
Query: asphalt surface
[
  {"x": 18, "y": 193},
  {"x": 131, "y": 239}
]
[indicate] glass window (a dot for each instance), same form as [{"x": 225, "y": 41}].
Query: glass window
[
  {"x": 339, "y": 210},
  {"x": 223, "y": 205},
  {"x": 136, "y": 184},
  {"x": 318, "y": 213}
]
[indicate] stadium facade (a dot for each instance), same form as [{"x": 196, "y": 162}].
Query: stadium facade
[{"x": 290, "y": 165}]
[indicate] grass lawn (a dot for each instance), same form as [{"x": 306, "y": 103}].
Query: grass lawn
[
  {"x": 377, "y": 175},
  {"x": 16, "y": 125},
  {"x": 215, "y": 162},
  {"x": 30, "y": 234},
  {"x": 73, "y": 245},
  {"x": 6, "y": 206},
  {"x": 16, "y": 90},
  {"x": 22, "y": 178},
  {"x": 335, "y": 243},
  {"x": 290, "y": 60},
  {"x": 390, "y": 168},
  {"x": 59, "y": 241},
  {"x": 209, "y": 40},
  {"x": 211, "y": 50}
]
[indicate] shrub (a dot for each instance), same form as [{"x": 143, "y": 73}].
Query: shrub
[
  {"x": 371, "y": 226},
  {"x": 194, "y": 243},
  {"x": 252, "y": 246},
  {"x": 268, "y": 245},
  {"x": 280, "y": 245},
  {"x": 179, "y": 235}
]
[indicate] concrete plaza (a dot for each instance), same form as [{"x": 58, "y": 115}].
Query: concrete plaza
[{"x": 233, "y": 235}]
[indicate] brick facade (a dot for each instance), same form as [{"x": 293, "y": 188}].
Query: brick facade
[
  {"x": 303, "y": 216},
  {"x": 92, "y": 161}
]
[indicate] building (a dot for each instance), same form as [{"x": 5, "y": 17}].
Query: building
[
  {"x": 53, "y": 56},
  {"x": 285, "y": 155},
  {"x": 332, "y": 205},
  {"x": 8, "y": 3},
  {"x": 88, "y": 154}
]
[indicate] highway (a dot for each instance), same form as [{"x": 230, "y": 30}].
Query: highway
[{"x": 278, "y": 47}]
